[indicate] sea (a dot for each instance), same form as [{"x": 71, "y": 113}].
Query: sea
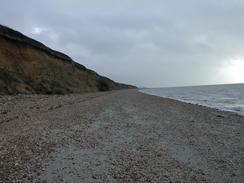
[{"x": 228, "y": 97}]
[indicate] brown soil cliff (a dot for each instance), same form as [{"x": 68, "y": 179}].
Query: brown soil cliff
[{"x": 28, "y": 66}]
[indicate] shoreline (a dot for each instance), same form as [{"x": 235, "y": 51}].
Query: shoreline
[
  {"x": 117, "y": 136},
  {"x": 196, "y": 104}
]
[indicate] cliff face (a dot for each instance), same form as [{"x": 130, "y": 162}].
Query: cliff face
[{"x": 28, "y": 66}]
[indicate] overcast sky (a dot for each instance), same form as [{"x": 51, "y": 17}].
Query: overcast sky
[{"x": 151, "y": 43}]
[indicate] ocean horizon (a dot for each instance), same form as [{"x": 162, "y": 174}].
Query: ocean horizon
[{"x": 226, "y": 97}]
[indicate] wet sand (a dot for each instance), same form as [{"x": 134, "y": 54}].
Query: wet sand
[{"x": 119, "y": 136}]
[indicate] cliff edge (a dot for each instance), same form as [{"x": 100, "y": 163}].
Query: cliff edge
[{"x": 29, "y": 67}]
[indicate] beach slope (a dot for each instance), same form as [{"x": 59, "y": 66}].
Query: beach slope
[{"x": 117, "y": 136}]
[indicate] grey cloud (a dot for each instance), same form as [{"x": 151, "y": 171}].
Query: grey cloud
[{"x": 146, "y": 43}]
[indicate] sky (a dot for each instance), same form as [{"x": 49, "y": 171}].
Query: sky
[{"x": 154, "y": 43}]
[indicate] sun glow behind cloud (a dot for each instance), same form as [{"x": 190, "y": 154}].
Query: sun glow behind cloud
[
  {"x": 37, "y": 30},
  {"x": 233, "y": 70}
]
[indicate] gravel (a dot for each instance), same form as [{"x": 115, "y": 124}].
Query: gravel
[{"x": 118, "y": 136}]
